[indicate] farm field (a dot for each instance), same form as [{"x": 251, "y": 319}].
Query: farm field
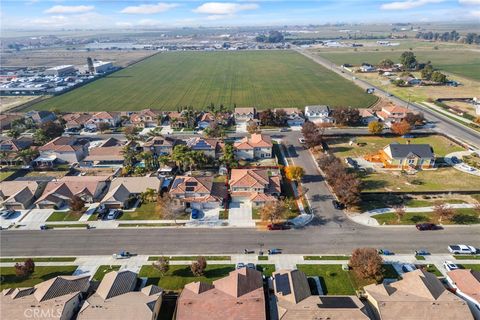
[{"x": 170, "y": 80}]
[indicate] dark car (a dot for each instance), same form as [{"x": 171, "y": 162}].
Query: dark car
[
  {"x": 455, "y": 160},
  {"x": 278, "y": 226},
  {"x": 338, "y": 205},
  {"x": 427, "y": 226},
  {"x": 385, "y": 252},
  {"x": 422, "y": 252},
  {"x": 274, "y": 251},
  {"x": 195, "y": 213}
]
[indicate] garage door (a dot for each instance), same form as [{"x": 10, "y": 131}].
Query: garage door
[{"x": 211, "y": 205}]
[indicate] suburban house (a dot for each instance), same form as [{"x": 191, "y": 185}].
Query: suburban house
[
  {"x": 257, "y": 146},
  {"x": 19, "y": 195},
  {"x": 10, "y": 148},
  {"x": 210, "y": 147},
  {"x": 176, "y": 120},
  {"x": 466, "y": 284},
  {"x": 7, "y": 119},
  {"x": 392, "y": 114},
  {"x": 123, "y": 192},
  {"x": 117, "y": 298},
  {"x": 57, "y": 298},
  {"x": 242, "y": 115},
  {"x": 405, "y": 156},
  {"x": 111, "y": 118},
  {"x": 238, "y": 296},
  {"x": 76, "y": 120},
  {"x": 255, "y": 185},
  {"x": 146, "y": 118},
  {"x": 206, "y": 120},
  {"x": 62, "y": 150},
  {"x": 40, "y": 117},
  {"x": 318, "y": 114},
  {"x": 106, "y": 154},
  {"x": 368, "y": 116},
  {"x": 295, "y": 117},
  {"x": 419, "y": 295},
  {"x": 198, "y": 192},
  {"x": 367, "y": 68},
  {"x": 159, "y": 145},
  {"x": 294, "y": 300},
  {"x": 57, "y": 194}
]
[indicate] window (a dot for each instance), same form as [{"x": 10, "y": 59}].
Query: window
[{"x": 411, "y": 161}]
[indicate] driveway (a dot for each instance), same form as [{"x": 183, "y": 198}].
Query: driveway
[
  {"x": 17, "y": 216},
  {"x": 240, "y": 214}
]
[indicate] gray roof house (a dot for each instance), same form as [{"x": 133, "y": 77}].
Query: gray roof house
[
  {"x": 404, "y": 156},
  {"x": 318, "y": 114}
]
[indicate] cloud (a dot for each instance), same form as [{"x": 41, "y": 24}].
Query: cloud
[
  {"x": 475, "y": 13},
  {"x": 69, "y": 9},
  {"x": 149, "y": 8},
  {"x": 92, "y": 19},
  {"x": 408, "y": 4},
  {"x": 224, "y": 8},
  {"x": 470, "y": 2}
]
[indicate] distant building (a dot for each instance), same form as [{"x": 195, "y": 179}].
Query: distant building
[
  {"x": 295, "y": 117},
  {"x": 108, "y": 154},
  {"x": 146, "y": 118},
  {"x": 111, "y": 118},
  {"x": 318, "y": 114},
  {"x": 61, "y": 71},
  {"x": 393, "y": 114},
  {"x": 100, "y": 66},
  {"x": 159, "y": 145},
  {"x": 40, "y": 117},
  {"x": 367, "y": 116},
  {"x": 210, "y": 147}
]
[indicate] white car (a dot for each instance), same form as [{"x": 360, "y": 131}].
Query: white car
[
  {"x": 450, "y": 266},
  {"x": 461, "y": 249},
  {"x": 113, "y": 214}
]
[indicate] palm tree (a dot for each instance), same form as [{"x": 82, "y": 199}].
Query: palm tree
[
  {"x": 27, "y": 155},
  {"x": 129, "y": 158},
  {"x": 179, "y": 155}
]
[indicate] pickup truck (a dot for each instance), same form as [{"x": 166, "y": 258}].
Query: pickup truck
[{"x": 461, "y": 249}]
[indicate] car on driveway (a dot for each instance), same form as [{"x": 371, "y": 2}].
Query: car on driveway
[
  {"x": 251, "y": 266},
  {"x": 278, "y": 226},
  {"x": 274, "y": 251},
  {"x": 422, "y": 252},
  {"x": 338, "y": 205},
  {"x": 7, "y": 214},
  {"x": 450, "y": 266},
  {"x": 408, "y": 267},
  {"x": 113, "y": 214},
  {"x": 461, "y": 249},
  {"x": 427, "y": 226},
  {"x": 455, "y": 160},
  {"x": 240, "y": 265}
]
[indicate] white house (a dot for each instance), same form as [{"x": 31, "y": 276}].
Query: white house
[
  {"x": 318, "y": 114},
  {"x": 111, "y": 118},
  {"x": 243, "y": 115}
]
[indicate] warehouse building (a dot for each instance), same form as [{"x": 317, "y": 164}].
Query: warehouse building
[{"x": 60, "y": 71}]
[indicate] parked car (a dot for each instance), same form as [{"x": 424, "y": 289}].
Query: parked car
[
  {"x": 240, "y": 265},
  {"x": 450, "y": 266},
  {"x": 274, "y": 251},
  {"x": 278, "y": 226},
  {"x": 43, "y": 227},
  {"x": 338, "y": 205},
  {"x": 122, "y": 255},
  {"x": 461, "y": 249},
  {"x": 250, "y": 265},
  {"x": 455, "y": 160},
  {"x": 422, "y": 252},
  {"x": 7, "y": 214},
  {"x": 385, "y": 252},
  {"x": 408, "y": 267},
  {"x": 195, "y": 213},
  {"x": 284, "y": 129},
  {"x": 427, "y": 226},
  {"x": 113, "y": 214}
]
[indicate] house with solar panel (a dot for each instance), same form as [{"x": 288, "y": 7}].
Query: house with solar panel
[
  {"x": 198, "y": 192},
  {"x": 210, "y": 147}
]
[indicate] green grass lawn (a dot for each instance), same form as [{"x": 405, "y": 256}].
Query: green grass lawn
[
  {"x": 146, "y": 211},
  {"x": 179, "y": 275},
  {"x": 376, "y": 201},
  {"x": 326, "y": 257},
  {"x": 223, "y": 214},
  {"x": 5, "y": 174},
  {"x": 262, "y": 258},
  {"x": 462, "y": 216},
  {"x": 467, "y": 257},
  {"x": 249, "y": 78},
  {"x": 103, "y": 270},
  {"x": 471, "y": 266},
  {"x": 420, "y": 257},
  {"x": 333, "y": 279},
  {"x": 266, "y": 269},
  {"x": 388, "y": 272},
  {"x": 64, "y": 216},
  {"x": 193, "y": 258},
  {"x": 10, "y": 280},
  {"x": 40, "y": 259},
  {"x": 432, "y": 269}
]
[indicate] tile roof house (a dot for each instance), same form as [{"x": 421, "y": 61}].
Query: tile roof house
[
  {"x": 40, "y": 117},
  {"x": 240, "y": 295},
  {"x": 159, "y": 145},
  {"x": 122, "y": 190},
  {"x": 257, "y": 146},
  {"x": 243, "y": 115},
  {"x": 111, "y": 118},
  {"x": 419, "y": 295},
  {"x": 19, "y": 195},
  {"x": 294, "y": 300},
  {"x": 318, "y": 114},
  {"x": 7, "y": 119},
  {"x": 466, "y": 284},
  {"x": 255, "y": 185},
  {"x": 57, "y": 298},
  {"x": 117, "y": 299},
  {"x": 176, "y": 120},
  {"x": 146, "y": 118},
  {"x": 62, "y": 150},
  {"x": 392, "y": 114},
  {"x": 367, "y": 115},
  {"x": 210, "y": 147},
  {"x": 206, "y": 120},
  {"x": 107, "y": 154},
  {"x": 199, "y": 192},
  {"x": 405, "y": 156},
  {"x": 57, "y": 194},
  {"x": 295, "y": 117},
  {"x": 10, "y": 148},
  {"x": 76, "y": 120}
]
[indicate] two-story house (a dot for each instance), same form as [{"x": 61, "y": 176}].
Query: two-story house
[
  {"x": 257, "y": 146},
  {"x": 111, "y": 118},
  {"x": 62, "y": 150},
  {"x": 159, "y": 145},
  {"x": 199, "y": 192},
  {"x": 210, "y": 147},
  {"x": 318, "y": 114},
  {"x": 393, "y": 114},
  {"x": 243, "y": 115},
  {"x": 295, "y": 117},
  {"x": 255, "y": 185},
  {"x": 146, "y": 118},
  {"x": 206, "y": 120}
]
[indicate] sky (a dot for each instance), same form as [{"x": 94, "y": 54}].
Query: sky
[{"x": 88, "y": 14}]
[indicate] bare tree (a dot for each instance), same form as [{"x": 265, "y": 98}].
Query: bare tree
[
  {"x": 399, "y": 212},
  {"x": 273, "y": 211},
  {"x": 443, "y": 211},
  {"x": 198, "y": 267},
  {"x": 162, "y": 265},
  {"x": 366, "y": 263}
]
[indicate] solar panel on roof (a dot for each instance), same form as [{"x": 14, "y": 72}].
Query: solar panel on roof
[
  {"x": 282, "y": 284},
  {"x": 191, "y": 183},
  {"x": 189, "y": 188}
]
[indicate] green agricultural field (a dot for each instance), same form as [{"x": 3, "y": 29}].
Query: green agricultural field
[
  {"x": 448, "y": 60},
  {"x": 166, "y": 81}
]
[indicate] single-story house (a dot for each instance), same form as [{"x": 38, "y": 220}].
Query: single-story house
[
  {"x": 122, "y": 191},
  {"x": 405, "y": 156},
  {"x": 198, "y": 192},
  {"x": 108, "y": 154},
  {"x": 62, "y": 150},
  {"x": 255, "y": 185},
  {"x": 19, "y": 195},
  {"x": 10, "y": 149},
  {"x": 318, "y": 114},
  {"x": 242, "y": 115},
  {"x": 257, "y": 146}
]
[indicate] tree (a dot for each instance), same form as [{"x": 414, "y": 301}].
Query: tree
[
  {"x": 439, "y": 77},
  {"x": 401, "y": 128},
  {"x": 280, "y": 117},
  {"x": 386, "y": 63},
  {"x": 25, "y": 269},
  {"x": 148, "y": 195},
  {"x": 253, "y": 128},
  {"x": 228, "y": 157},
  {"x": 198, "y": 267},
  {"x": 27, "y": 155},
  {"x": 77, "y": 204},
  {"x": 366, "y": 263},
  {"x": 443, "y": 211},
  {"x": 214, "y": 131},
  {"x": 346, "y": 116},
  {"x": 272, "y": 211},
  {"x": 408, "y": 60},
  {"x": 476, "y": 208},
  {"x": 399, "y": 212},
  {"x": 312, "y": 134},
  {"x": 415, "y": 119},
  {"x": 103, "y": 126},
  {"x": 427, "y": 72},
  {"x": 168, "y": 209},
  {"x": 294, "y": 173},
  {"x": 162, "y": 265},
  {"x": 375, "y": 127},
  {"x": 267, "y": 117},
  {"x": 131, "y": 133},
  {"x": 14, "y": 133}
]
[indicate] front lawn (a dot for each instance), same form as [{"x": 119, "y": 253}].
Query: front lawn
[
  {"x": 326, "y": 257},
  {"x": 333, "y": 279},
  {"x": 462, "y": 216},
  {"x": 389, "y": 200},
  {"x": 471, "y": 266},
  {"x": 40, "y": 259},
  {"x": 432, "y": 269},
  {"x": 103, "y": 270},
  {"x": 266, "y": 269},
  {"x": 5, "y": 174},
  {"x": 467, "y": 257},
  {"x": 223, "y": 214},
  {"x": 10, "y": 280},
  {"x": 179, "y": 275},
  {"x": 65, "y": 216},
  {"x": 146, "y": 211}
]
